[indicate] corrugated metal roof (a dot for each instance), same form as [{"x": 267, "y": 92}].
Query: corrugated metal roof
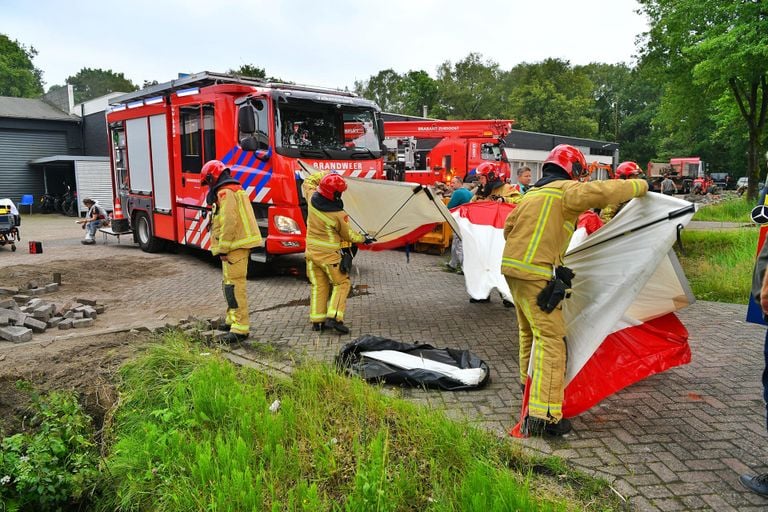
[
  {"x": 68, "y": 158},
  {"x": 30, "y": 108}
]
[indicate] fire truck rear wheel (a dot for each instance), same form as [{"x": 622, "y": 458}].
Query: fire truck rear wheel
[{"x": 147, "y": 241}]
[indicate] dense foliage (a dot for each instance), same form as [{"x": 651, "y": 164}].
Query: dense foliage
[{"x": 18, "y": 76}]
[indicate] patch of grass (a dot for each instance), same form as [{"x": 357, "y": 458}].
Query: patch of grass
[
  {"x": 718, "y": 264},
  {"x": 735, "y": 209},
  {"x": 194, "y": 432}
]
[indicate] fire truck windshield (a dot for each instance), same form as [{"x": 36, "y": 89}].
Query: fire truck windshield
[
  {"x": 326, "y": 130},
  {"x": 493, "y": 152}
]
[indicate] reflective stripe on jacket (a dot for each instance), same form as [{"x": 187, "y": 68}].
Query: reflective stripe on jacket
[
  {"x": 233, "y": 221},
  {"x": 538, "y": 231},
  {"x": 327, "y": 232}
]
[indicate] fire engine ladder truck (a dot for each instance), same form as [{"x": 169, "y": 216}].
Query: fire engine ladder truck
[{"x": 407, "y": 141}]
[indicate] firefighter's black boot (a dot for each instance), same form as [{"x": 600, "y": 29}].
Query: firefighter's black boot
[
  {"x": 318, "y": 326},
  {"x": 339, "y": 326},
  {"x": 540, "y": 427},
  {"x": 232, "y": 338},
  {"x": 757, "y": 484}
]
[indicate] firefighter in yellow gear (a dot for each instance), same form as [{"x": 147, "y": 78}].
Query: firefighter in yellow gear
[
  {"x": 234, "y": 232},
  {"x": 625, "y": 171},
  {"x": 537, "y": 234},
  {"x": 328, "y": 233},
  {"x": 493, "y": 185}
]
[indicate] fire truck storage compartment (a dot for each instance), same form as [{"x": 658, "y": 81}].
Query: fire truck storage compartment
[
  {"x": 148, "y": 152},
  {"x": 161, "y": 174},
  {"x": 138, "y": 155}
]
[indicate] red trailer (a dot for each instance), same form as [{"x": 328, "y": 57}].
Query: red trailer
[{"x": 162, "y": 135}]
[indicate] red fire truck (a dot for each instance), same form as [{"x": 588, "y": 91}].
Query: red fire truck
[
  {"x": 162, "y": 135},
  {"x": 426, "y": 151}
]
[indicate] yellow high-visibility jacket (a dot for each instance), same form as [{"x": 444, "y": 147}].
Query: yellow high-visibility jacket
[
  {"x": 327, "y": 233},
  {"x": 233, "y": 221},
  {"x": 509, "y": 193},
  {"x": 538, "y": 231}
]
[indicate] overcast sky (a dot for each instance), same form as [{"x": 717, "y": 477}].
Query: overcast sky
[{"x": 328, "y": 43}]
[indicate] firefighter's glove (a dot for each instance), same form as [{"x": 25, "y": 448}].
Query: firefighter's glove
[
  {"x": 566, "y": 275},
  {"x": 345, "y": 265},
  {"x": 369, "y": 240},
  {"x": 557, "y": 289}
]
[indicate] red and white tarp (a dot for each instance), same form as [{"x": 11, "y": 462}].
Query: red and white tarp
[{"x": 620, "y": 318}]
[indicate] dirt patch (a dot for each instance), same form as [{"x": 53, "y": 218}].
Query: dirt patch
[
  {"x": 84, "y": 364},
  {"x": 92, "y": 275}
]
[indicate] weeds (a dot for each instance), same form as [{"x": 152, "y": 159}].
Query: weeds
[{"x": 55, "y": 463}]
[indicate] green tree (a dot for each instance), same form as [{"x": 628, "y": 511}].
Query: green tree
[
  {"x": 721, "y": 48},
  {"x": 91, "y": 83},
  {"x": 419, "y": 90},
  {"x": 385, "y": 88},
  {"x": 638, "y": 134},
  {"x": 251, "y": 71},
  {"x": 470, "y": 89},
  {"x": 18, "y": 76},
  {"x": 552, "y": 97}
]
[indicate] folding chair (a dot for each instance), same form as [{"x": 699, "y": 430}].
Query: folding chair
[{"x": 27, "y": 200}]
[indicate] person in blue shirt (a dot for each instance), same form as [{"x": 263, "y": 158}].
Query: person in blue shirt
[{"x": 459, "y": 196}]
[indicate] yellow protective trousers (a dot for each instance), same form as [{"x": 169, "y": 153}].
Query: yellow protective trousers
[
  {"x": 542, "y": 346},
  {"x": 325, "y": 279},
  {"x": 235, "y": 270}
]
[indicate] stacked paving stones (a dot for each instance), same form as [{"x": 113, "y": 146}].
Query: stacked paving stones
[{"x": 23, "y": 312}]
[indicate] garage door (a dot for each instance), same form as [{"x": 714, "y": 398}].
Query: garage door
[{"x": 17, "y": 148}]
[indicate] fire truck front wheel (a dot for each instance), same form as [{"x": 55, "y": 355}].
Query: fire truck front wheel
[{"x": 147, "y": 241}]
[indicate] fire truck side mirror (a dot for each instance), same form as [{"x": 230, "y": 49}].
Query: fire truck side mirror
[
  {"x": 380, "y": 126},
  {"x": 246, "y": 119}
]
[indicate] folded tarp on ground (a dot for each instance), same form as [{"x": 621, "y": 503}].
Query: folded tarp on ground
[{"x": 380, "y": 359}]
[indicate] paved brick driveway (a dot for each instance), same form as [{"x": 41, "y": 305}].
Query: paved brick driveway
[{"x": 676, "y": 441}]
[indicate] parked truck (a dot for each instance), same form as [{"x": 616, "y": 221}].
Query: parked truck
[
  {"x": 680, "y": 170},
  {"x": 162, "y": 135},
  {"x": 426, "y": 151}
]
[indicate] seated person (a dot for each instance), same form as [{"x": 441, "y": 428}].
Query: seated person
[{"x": 94, "y": 219}]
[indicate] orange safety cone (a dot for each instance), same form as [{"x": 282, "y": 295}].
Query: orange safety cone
[
  {"x": 119, "y": 222},
  {"x": 117, "y": 214}
]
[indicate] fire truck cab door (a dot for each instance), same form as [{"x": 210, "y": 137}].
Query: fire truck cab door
[{"x": 197, "y": 145}]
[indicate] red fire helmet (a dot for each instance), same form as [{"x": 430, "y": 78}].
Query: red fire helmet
[
  {"x": 627, "y": 170},
  {"x": 568, "y": 158},
  {"x": 490, "y": 170},
  {"x": 330, "y": 185},
  {"x": 211, "y": 172}
]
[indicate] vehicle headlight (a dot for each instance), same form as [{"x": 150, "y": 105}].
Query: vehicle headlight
[{"x": 287, "y": 225}]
